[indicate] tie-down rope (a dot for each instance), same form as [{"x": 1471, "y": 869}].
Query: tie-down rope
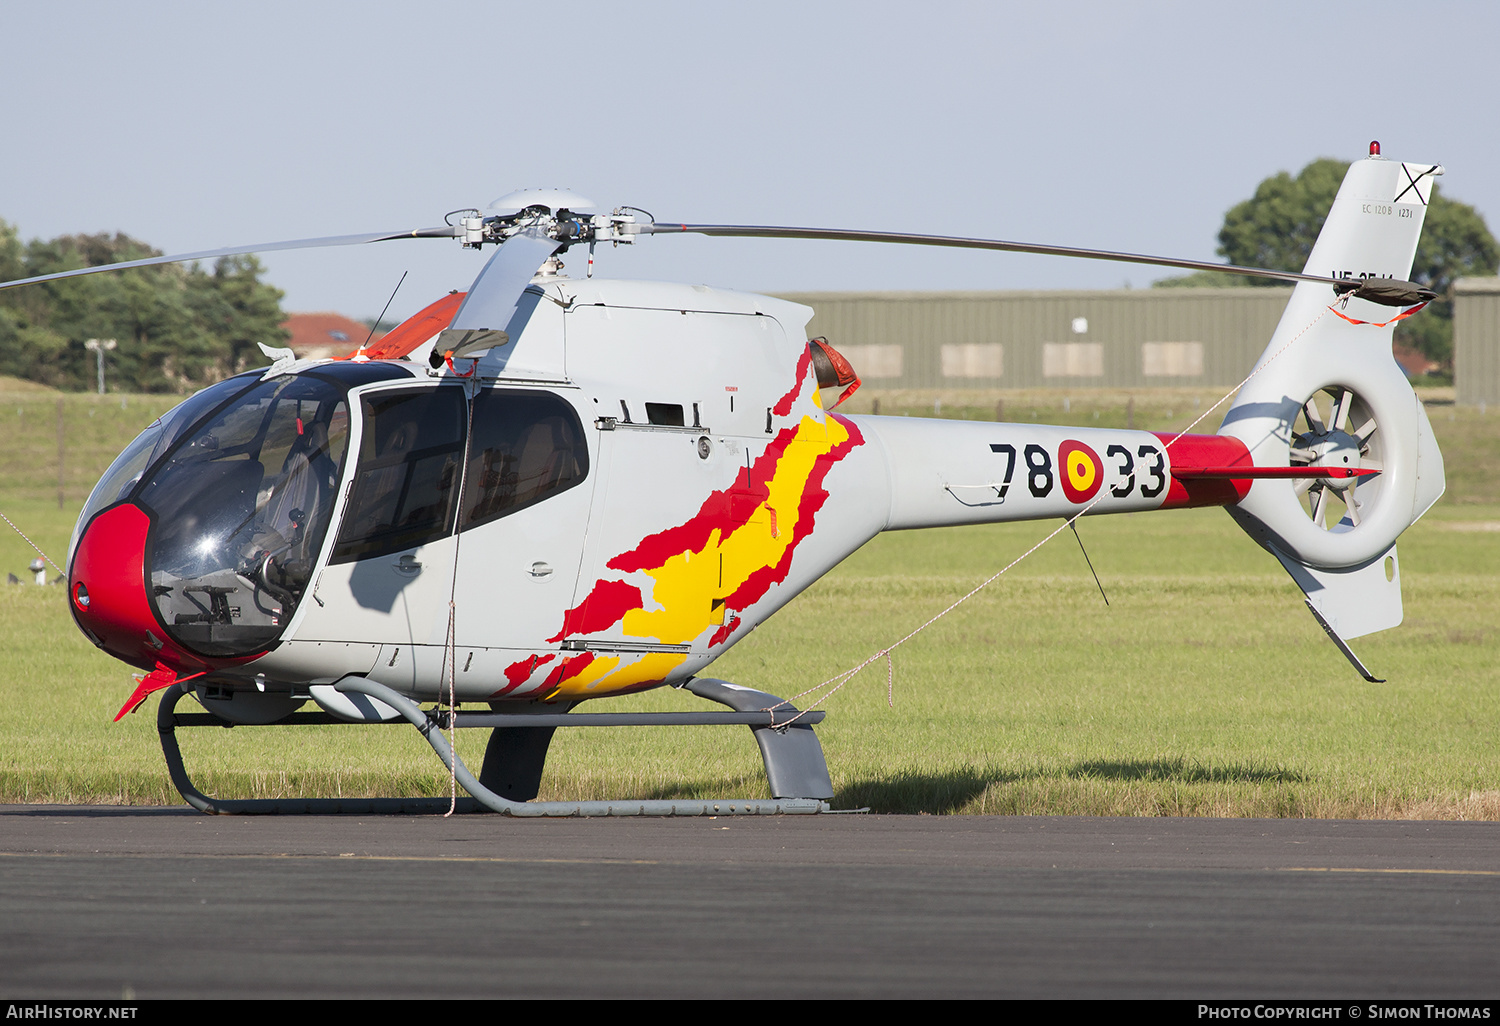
[{"x": 28, "y": 541}]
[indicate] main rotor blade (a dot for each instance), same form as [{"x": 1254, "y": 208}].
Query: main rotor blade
[
  {"x": 262, "y": 247},
  {"x": 959, "y": 242}
]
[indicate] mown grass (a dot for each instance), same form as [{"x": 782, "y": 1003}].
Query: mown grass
[{"x": 1204, "y": 688}]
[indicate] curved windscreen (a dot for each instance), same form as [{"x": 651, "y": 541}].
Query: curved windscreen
[
  {"x": 239, "y": 509},
  {"x": 240, "y": 484},
  {"x": 124, "y": 473}
]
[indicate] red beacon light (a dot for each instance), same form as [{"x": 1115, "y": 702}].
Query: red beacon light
[{"x": 1374, "y": 147}]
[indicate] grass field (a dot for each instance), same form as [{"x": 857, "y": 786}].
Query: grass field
[{"x": 1205, "y": 688}]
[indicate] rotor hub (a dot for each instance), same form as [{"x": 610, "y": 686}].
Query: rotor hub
[
  {"x": 1336, "y": 430},
  {"x": 1333, "y": 448}
]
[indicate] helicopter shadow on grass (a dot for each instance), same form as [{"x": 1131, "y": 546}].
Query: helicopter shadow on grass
[
  {"x": 933, "y": 793},
  {"x": 906, "y": 793},
  {"x": 950, "y": 792},
  {"x": 1180, "y": 771}
]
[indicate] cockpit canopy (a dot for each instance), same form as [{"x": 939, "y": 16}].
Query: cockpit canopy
[
  {"x": 241, "y": 483},
  {"x": 239, "y": 509}
]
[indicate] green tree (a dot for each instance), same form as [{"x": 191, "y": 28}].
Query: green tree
[
  {"x": 241, "y": 310},
  {"x": 178, "y": 328},
  {"x": 1277, "y": 227},
  {"x": 12, "y": 253},
  {"x": 162, "y": 348}
]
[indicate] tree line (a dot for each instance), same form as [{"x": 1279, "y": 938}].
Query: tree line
[
  {"x": 1276, "y": 228},
  {"x": 178, "y": 328}
]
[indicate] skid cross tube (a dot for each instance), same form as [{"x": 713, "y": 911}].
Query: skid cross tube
[
  {"x": 167, "y": 719},
  {"x": 794, "y": 760}
]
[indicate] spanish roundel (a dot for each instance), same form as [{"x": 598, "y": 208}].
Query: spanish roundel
[{"x": 1082, "y": 473}]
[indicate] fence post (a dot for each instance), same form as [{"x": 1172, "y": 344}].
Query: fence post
[{"x": 59, "y": 454}]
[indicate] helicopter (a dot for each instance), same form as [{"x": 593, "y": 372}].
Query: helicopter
[{"x": 545, "y": 490}]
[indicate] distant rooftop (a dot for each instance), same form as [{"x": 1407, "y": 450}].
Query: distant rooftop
[
  {"x": 1477, "y": 286},
  {"x": 319, "y": 335}
]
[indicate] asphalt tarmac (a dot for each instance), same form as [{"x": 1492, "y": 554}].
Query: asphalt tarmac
[{"x": 158, "y": 903}]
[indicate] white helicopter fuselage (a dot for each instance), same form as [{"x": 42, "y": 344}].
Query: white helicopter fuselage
[
  {"x": 603, "y": 485},
  {"x": 717, "y": 489},
  {"x": 604, "y": 502}
]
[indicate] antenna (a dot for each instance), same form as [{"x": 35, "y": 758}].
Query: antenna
[
  {"x": 359, "y": 354},
  {"x": 1074, "y": 525}
]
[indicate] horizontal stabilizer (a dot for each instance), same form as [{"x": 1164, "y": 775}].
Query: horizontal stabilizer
[{"x": 1250, "y": 473}]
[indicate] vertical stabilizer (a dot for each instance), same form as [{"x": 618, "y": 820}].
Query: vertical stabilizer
[{"x": 1327, "y": 391}]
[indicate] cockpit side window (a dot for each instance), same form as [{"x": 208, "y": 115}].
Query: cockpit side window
[
  {"x": 407, "y": 480},
  {"x": 525, "y": 447}
]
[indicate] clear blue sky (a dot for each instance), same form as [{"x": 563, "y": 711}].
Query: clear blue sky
[{"x": 1130, "y": 126}]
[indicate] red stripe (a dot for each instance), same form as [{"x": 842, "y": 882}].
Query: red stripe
[
  {"x": 1197, "y": 452},
  {"x": 804, "y": 364},
  {"x": 1403, "y": 315}
]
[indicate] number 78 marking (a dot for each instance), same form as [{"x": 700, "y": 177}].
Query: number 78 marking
[{"x": 1154, "y": 484}]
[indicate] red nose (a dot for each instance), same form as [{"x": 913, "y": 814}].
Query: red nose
[{"x": 107, "y": 589}]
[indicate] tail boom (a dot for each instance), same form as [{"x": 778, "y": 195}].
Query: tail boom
[{"x": 945, "y": 473}]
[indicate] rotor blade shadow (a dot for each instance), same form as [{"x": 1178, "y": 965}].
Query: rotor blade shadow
[
  {"x": 375, "y": 585},
  {"x": 1284, "y": 411}
]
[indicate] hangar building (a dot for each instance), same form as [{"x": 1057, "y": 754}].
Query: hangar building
[
  {"x": 1476, "y": 340},
  {"x": 1106, "y": 339}
]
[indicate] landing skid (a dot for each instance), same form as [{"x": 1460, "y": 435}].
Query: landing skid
[{"x": 795, "y": 767}]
